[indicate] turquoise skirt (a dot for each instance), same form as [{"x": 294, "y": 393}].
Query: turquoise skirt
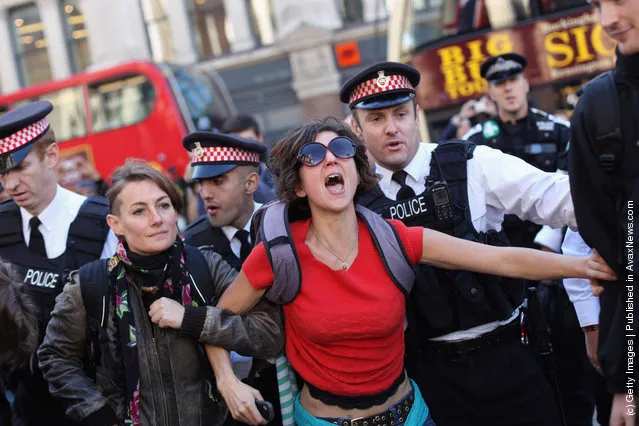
[{"x": 417, "y": 416}]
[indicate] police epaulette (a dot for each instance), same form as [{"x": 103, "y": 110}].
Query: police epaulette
[{"x": 10, "y": 224}]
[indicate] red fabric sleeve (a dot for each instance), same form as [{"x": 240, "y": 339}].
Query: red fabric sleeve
[
  {"x": 257, "y": 268},
  {"x": 412, "y": 239}
]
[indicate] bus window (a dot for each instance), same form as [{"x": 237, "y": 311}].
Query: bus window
[
  {"x": 122, "y": 102},
  {"x": 207, "y": 108},
  {"x": 67, "y": 118}
]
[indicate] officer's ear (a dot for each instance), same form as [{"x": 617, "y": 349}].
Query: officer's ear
[
  {"x": 251, "y": 181},
  {"x": 354, "y": 122},
  {"x": 52, "y": 155},
  {"x": 114, "y": 223}
]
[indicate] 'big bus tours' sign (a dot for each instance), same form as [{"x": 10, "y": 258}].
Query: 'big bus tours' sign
[{"x": 556, "y": 49}]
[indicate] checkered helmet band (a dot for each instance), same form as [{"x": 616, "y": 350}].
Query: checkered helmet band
[
  {"x": 374, "y": 86},
  {"x": 23, "y": 136},
  {"x": 223, "y": 154}
]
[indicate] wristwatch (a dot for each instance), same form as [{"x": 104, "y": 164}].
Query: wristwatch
[{"x": 593, "y": 327}]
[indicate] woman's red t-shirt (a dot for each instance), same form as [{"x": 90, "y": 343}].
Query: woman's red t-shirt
[{"x": 344, "y": 330}]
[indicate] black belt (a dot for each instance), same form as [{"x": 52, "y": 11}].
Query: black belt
[
  {"x": 385, "y": 418},
  {"x": 451, "y": 351}
]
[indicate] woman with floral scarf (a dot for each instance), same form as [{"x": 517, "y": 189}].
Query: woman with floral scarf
[{"x": 151, "y": 369}]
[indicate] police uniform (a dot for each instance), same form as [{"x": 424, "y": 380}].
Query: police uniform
[
  {"x": 541, "y": 139},
  {"x": 538, "y": 138},
  {"x": 69, "y": 232},
  {"x": 212, "y": 155},
  {"x": 463, "y": 340}
]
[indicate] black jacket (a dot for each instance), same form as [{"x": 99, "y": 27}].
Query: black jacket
[
  {"x": 601, "y": 223},
  {"x": 171, "y": 369}
]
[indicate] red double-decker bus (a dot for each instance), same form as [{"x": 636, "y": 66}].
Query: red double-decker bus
[{"x": 132, "y": 110}]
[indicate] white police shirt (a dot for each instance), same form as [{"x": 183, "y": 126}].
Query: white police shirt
[
  {"x": 498, "y": 184},
  {"x": 578, "y": 289},
  {"x": 56, "y": 220}
]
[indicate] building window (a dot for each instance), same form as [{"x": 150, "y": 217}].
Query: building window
[
  {"x": 158, "y": 30},
  {"x": 352, "y": 10},
  {"x": 30, "y": 45},
  {"x": 263, "y": 20},
  {"x": 213, "y": 31},
  {"x": 76, "y": 35}
]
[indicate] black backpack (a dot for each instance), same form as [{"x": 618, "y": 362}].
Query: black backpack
[
  {"x": 609, "y": 135},
  {"x": 95, "y": 287}
]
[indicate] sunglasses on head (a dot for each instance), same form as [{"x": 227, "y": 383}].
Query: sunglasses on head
[{"x": 313, "y": 153}]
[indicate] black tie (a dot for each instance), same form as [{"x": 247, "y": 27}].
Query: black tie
[
  {"x": 405, "y": 192},
  {"x": 36, "y": 240},
  {"x": 245, "y": 248}
]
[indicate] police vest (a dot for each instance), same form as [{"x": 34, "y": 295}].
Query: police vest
[
  {"x": 444, "y": 301},
  {"x": 541, "y": 142},
  {"x": 202, "y": 233},
  {"x": 45, "y": 278}
]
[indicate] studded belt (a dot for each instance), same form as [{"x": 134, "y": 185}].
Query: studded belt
[{"x": 394, "y": 416}]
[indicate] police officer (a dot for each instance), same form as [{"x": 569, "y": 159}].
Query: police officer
[
  {"x": 45, "y": 232},
  {"x": 225, "y": 168},
  {"x": 464, "y": 339},
  {"x": 540, "y": 139},
  {"x": 534, "y": 136}
]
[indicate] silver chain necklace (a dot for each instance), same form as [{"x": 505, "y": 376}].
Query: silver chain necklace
[{"x": 343, "y": 265}]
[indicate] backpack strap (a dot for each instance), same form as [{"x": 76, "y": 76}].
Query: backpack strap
[
  {"x": 390, "y": 248},
  {"x": 200, "y": 276},
  {"x": 94, "y": 287},
  {"x": 609, "y": 135},
  {"x": 275, "y": 233}
]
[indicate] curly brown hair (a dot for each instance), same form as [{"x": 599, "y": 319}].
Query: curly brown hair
[{"x": 284, "y": 166}]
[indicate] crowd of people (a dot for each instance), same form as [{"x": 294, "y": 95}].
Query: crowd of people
[{"x": 352, "y": 276}]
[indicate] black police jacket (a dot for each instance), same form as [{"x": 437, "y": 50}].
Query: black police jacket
[
  {"x": 539, "y": 138},
  {"x": 442, "y": 300},
  {"x": 201, "y": 233},
  {"x": 606, "y": 221},
  {"x": 44, "y": 280}
]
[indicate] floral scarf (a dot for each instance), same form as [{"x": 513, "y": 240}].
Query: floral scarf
[{"x": 173, "y": 282}]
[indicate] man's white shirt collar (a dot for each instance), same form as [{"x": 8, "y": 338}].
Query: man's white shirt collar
[
  {"x": 230, "y": 231},
  {"x": 48, "y": 215}
]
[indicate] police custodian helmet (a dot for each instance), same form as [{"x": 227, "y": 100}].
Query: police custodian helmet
[
  {"x": 381, "y": 85},
  {"x": 20, "y": 128},
  {"x": 498, "y": 68},
  {"x": 213, "y": 153}
]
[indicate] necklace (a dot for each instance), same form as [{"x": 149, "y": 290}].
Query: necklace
[{"x": 343, "y": 265}]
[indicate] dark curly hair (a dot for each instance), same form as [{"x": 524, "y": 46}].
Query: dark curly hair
[
  {"x": 284, "y": 166},
  {"x": 18, "y": 321}
]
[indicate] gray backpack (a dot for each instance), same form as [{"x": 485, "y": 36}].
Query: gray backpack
[{"x": 271, "y": 225}]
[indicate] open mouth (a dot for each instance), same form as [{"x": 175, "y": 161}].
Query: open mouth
[
  {"x": 212, "y": 209},
  {"x": 334, "y": 183}
]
